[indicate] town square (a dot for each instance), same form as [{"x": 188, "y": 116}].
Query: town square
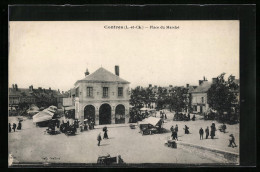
[{"x": 77, "y": 95}]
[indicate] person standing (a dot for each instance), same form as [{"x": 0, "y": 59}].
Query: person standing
[
  {"x": 188, "y": 116},
  {"x": 174, "y": 135},
  {"x": 172, "y": 129},
  {"x": 58, "y": 123},
  {"x": 93, "y": 124},
  {"x": 201, "y": 133},
  {"x": 224, "y": 127},
  {"x": 10, "y": 128},
  {"x": 19, "y": 126},
  {"x": 213, "y": 130},
  {"x": 193, "y": 118},
  {"x": 99, "y": 139},
  {"x": 14, "y": 126},
  {"x": 207, "y": 132},
  {"x": 186, "y": 129},
  {"x": 176, "y": 129},
  {"x": 232, "y": 141},
  {"x": 105, "y": 133}
]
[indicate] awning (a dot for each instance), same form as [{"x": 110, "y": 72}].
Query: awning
[
  {"x": 43, "y": 116},
  {"x": 147, "y": 109},
  {"x": 144, "y": 109},
  {"x": 32, "y": 111},
  {"x": 70, "y": 108}
]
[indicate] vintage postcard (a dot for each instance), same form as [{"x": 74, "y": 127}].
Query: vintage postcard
[{"x": 124, "y": 92}]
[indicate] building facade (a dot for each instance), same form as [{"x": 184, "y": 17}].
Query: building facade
[
  {"x": 199, "y": 97},
  {"x": 34, "y": 96},
  {"x": 102, "y": 97}
]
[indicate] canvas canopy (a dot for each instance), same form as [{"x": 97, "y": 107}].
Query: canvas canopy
[
  {"x": 152, "y": 120},
  {"x": 70, "y": 108},
  {"x": 44, "y": 115},
  {"x": 33, "y": 109},
  {"x": 147, "y": 109},
  {"x": 144, "y": 109}
]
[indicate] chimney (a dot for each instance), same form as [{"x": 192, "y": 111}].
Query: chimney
[
  {"x": 13, "y": 86},
  {"x": 214, "y": 80},
  {"x": 150, "y": 85},
  {"x": 232, "y": 77},
  {"x": 200, "y": 82},
  {"x": 187, "y": 85},
  {"x": 49, "y": 88},
  {"x": 31, "y": 88},
  {"x": 117, "y": 70},
  {"x": 59, "y": 90},
  {"x": 16, "y": 87},
  {"x": 62, "y": 92},
  {"x": 87, "y": 72}
]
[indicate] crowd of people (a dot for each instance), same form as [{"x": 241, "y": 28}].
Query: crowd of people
[
  {"x": 13, "y": 127},
  {"x": 183, "y": 117},
  {"x": 208, "y": 133},
  {"x": 88, "y": 124}
]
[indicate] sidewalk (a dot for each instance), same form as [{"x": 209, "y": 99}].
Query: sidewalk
[
  {"x": 113, "y": 125},
  {"x": 214, "y": 153}
]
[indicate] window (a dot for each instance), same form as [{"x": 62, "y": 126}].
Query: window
[
  {"x": 77, "y": 92},
  {"x": 105, "y": 91},
  {"x": 202, "y": 99},
  {"x": 89, "y": 91},
  {"x": 120, "y": 91}
]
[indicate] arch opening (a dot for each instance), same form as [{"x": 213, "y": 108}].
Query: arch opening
[
  {"x": 89, "y": 113},
  {"x": 120, "y": 114},
  {"x": 105, "y": 114}
]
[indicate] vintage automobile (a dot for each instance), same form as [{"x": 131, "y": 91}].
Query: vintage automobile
[
  {"x": 108, "y": 160},
  {"x": 150, "y": 125}
]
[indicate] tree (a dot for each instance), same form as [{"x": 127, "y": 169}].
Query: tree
[
  {"x": 178, "y": 99},
  {"x": 222, "y": 96},
  {"x": 137, "y": 97},
  {"x": 162, "y": 98}
]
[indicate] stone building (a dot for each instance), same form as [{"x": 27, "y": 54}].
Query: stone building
[
  {"x": 103, "y": 97},
  {"x": 199, "y": 97},
  {"x": 34, "y": 96}
]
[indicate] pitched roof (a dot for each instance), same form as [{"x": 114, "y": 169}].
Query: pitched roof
[
  {"x": 191, "y": 89},
  {"x": 102, "y": 75},
  {"x": 202, "y": 88}
]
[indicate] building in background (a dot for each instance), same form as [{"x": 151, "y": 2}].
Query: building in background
[
  {"x": 199, "y": 97},
  {"x": 102, "y": 97},
  {"x": 39, "y": 96}
]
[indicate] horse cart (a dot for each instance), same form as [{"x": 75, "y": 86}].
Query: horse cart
[{"x": 108, "y": 160}]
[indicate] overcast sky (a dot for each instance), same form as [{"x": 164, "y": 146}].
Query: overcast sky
[{"x": 56, "y": 54}]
